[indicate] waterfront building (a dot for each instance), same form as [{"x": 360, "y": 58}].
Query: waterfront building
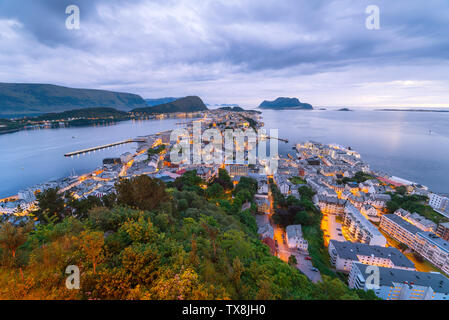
[
  {"x": 126, "y": 157},
  {"x": 399, "y": 284},
  {"x": 343, "y": 254},
  {"x": 360, "y": 229},
  {"x": 439, "y": 203}
]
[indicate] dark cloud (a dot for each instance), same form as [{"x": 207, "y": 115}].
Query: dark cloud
[{"x": 165, "y": 43}]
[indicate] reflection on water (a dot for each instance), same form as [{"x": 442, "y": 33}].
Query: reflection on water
[
  {"x": 411, "y": 145},
  {"x": 34, "y": 156}
]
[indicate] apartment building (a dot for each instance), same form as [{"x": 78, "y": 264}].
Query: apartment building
[
  {"x": 360, "y": 229},
  {"x": 343, "y": 254},
  {"x": 443, "y": 231},
  {"x": 434, "y": 249},
  {"x": 399, "y": 284},
  {"x": 417, "y": 220},
  {"x": 399, "y": 229},
  {"x": 330, "y": 205}
]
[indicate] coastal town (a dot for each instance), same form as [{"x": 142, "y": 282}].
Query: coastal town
[{"x": 323, "y": 211}]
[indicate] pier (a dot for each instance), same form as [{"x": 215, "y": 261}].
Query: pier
[
  {"x": 283, "y": 140},
  {"x": 75, "y": 153}
]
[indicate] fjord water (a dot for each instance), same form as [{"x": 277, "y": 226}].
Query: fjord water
[
  {"x": 410, "y": 145},
  {"x": 31, "y": 157}
]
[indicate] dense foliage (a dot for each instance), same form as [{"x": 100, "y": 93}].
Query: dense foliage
[
  {"x": 414, "y": 203},
  {"x": 151, "y": 242}
]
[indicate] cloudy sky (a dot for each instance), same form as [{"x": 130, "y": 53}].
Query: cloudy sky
[{"x": 235, "y": 51}]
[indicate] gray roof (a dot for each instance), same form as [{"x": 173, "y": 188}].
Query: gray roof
[
  {"x": 434, "y": 239},
  {"x": 294, "y": 231},
  {"x": 388, "y": 276},
  {"x": 350, "y": 250},
  {"x": 401, "y": 222}
]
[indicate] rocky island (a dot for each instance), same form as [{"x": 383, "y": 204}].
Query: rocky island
[{"x": 285, "y": 103}]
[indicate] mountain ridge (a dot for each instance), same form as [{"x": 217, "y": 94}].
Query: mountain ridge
[
  {"x": 22, "y": 98},
  {"x": 186, "y": 104}
]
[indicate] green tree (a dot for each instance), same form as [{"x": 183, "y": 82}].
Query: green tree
[
  {"x": 51, "y": 206},
  {"x": 13, "y": 236},
  {"x": 292, "y": 261},
  {"x": 141, "y": 192},
  {"x": 215, "y": 191}
]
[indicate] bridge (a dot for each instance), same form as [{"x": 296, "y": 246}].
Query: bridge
[{"x": 75, "y": 153}]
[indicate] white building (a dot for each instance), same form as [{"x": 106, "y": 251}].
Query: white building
[
  {"x": 417, "y": 220},
  {"x": 434, "y": 249},
  {"x": 295, "y": 238},
  {"x": 439, "y": 203},
  {"x": 343, "y": 254},
  {"x": 370, "y": 213},
  {"x": 360, "y": 229},
  {"x": 399, "y": 229},
  {"x": 397, "y": 284}
]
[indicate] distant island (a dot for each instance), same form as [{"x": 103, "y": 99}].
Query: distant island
[
  {"x": 234, "y": 109},
  {"x": 345, "y": 109},
  {"x": 23, "y": 98},
  {"x": 285, "y": 103},
  {"x": 187, "y": 104},
  {"x": 223, "y": 105}
]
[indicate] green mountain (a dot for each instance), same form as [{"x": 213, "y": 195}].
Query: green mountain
[
  {"x": 187, "y": 104},
  {"x": 20, "y": 98},
  {"x": 285, "y": 103}
]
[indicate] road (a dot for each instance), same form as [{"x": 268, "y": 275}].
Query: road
[
  {"x": 284, "y": 252},
  {"x": 332, "y": 230}
]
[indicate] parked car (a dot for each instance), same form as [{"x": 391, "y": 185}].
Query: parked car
[
  {"x": 308, "y": 258},
  {"x": 314, "y": 269}
]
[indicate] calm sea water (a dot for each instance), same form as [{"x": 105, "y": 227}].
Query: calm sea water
[
  {"x": 410, "y": 145},
  {"x": 399, "y": 143},
  {"x": 35, "y": 156}
]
